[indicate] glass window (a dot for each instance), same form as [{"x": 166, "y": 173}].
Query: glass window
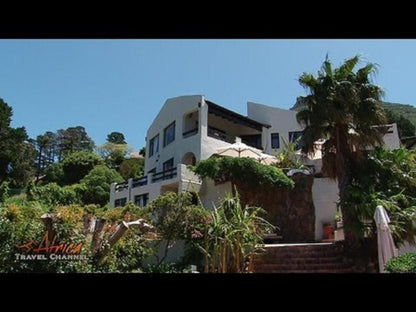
[
  {"x": 275, "y": 140},
  {"x": 169, "y": 134},
  {"x": 120, "y": 202},
  {"x": 154, "y": 146},
  {"x": 141, "y": 200},
  {"x": 294, "y": 137},
  {"x": 167, "y": 165}
]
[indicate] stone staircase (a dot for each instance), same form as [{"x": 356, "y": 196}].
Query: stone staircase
[{"x": 302, "y": 258}]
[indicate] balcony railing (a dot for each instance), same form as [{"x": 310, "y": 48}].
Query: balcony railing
[
  {"x": 121, "y": 187},
  {"x": 165, "y": 175},
  {"x": 190, "y": 133},
  {"x": 140, "y": 181},
  {"x": 160, "y": 176},
  {"x": 220, "y": 135}
]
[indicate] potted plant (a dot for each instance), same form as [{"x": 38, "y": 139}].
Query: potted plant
[
  {"x": 338, "y": 220},
  {"x": 328, "y": 230}
]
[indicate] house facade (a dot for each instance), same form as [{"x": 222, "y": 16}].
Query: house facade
[{"x": 191, "y": 128}]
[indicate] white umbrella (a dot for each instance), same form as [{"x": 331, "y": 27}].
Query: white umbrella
[
  {"x": 239, "y": 150},
  {"x": 386, "y": 247}
]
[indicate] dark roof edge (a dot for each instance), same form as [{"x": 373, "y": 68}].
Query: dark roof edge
[{"x": 237, "y": 115}]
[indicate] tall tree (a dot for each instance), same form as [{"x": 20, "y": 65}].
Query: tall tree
[
  {"x": 14, "y": 149},
  {"x": 116, "y": 138},
  {"x": 113, "y": 154},
  {"x": 45, "y": 148},
  {"x": 73, "y": 139},
  {"x": 342, "y": 107}
]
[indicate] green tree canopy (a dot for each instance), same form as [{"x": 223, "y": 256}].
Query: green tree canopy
[
  {"x": 116, "y": 138},
  {"x": 113, "y": 154},
  {"x": 16, "y": 154},
  {"x": 77, "y": 165},
  {"x": 97, "y": 185},
  {"x": 342, "y": 107},
  {"x": 242, "y": 169},
  {"x": 73, "y": 139},
  {"x": 132, "y": 168},
  {"x": 404, "y": 125}
]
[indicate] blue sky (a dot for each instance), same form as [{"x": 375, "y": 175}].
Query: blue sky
[{"x": 120, "y": 85}]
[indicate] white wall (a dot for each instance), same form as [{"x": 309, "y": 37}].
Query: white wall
[
  {"x": 325, "y": 196},
  {"x": 174, "y": 109},
  {"x": 281, "y": 120},
  {"x": 213, "y": 194},
  {"x": 392, "y": 140}
]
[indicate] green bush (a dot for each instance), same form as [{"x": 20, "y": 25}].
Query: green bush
[
  {"x": 97, "y": 185},
  {"x": 77, "y": 165},
  {"x": 405, "y": 263},
  {"x": 53, "y": 194},
  {"x": 4, "y": 192},
  {"x": 245, "y": 169}
]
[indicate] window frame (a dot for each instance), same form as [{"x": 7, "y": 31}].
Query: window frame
[
  {"x": 165, "y": 143},
  {"x": 152, "y": 149},
  {"x": 273, "y": 137}
]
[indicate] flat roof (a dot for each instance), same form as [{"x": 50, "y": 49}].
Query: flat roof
[{"x": 233, "y": 116}]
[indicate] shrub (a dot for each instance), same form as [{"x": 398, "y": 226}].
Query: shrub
[
  {"x": 405, "y": 263},
  {"x": 97, "y": 185},
  {"x": 53, "y": 194},
  {"x": 4, "y": 192},
  {"x": 77, "y": 165},
  {"x": 245, "y": 169}
]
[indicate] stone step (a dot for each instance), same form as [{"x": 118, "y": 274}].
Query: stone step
[
  {"x": 322, "y": 271},
  {"x": 309, "y": 266},
  {"x": 301, "y": 260}
]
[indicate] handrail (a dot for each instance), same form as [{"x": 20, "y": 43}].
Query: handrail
[
  {"x": 165, "y": 175},
  {"x": 190, "y": 132},
  {"x": 139, "y": 181}
]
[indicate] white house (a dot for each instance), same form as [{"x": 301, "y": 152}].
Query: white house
[{"x": 191, "y": 128}]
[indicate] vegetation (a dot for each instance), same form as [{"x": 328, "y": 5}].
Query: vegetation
[
  {"x": 287, "y": 158},
  {"x": 232, "y": 236},
  {"x": 175, "y": 218},
  {"x": 404, "y": 125},
  {"x": 109, "y": 247},
  {"x": 404, "y": 110},
  {"x": 132, "y": 168},
  {"x": 97, "y": 183},
  {"x": 116, "y": 138},
  {"x": 405, "y": 263},
  {"x": 386, "y": 178},
  {"x": 342, "y": 106},
  {"x": 16, "y": 154},
  {"x": 241, "y": 169},
  {"x": 77, "y": 165}
]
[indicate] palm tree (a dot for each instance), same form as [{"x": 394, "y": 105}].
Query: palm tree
[{"x": 343, "y": 106}]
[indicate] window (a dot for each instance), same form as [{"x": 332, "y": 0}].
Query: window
[
  {"x": 154, "y": 146},
  {"x": 141, "y": 200},
  {"x": 120, "y": 202},
  {"x": 167, "y": 165},
  {"x": 253, "y": 140},
  {"x": 153, "y": 171},
  {"x": 169, "y": 134},
  {"x": 275, "y": 140},
  {"x": 294, "y": 137}
]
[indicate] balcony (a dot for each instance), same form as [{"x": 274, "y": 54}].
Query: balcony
[
  {"x": 220, "y": 135},
  {"x": 139, "y": 182},
  {"x": 165, "y": 175},
  {"x": 189, "y": 133},
  {"x": 161, "y": 176}
]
